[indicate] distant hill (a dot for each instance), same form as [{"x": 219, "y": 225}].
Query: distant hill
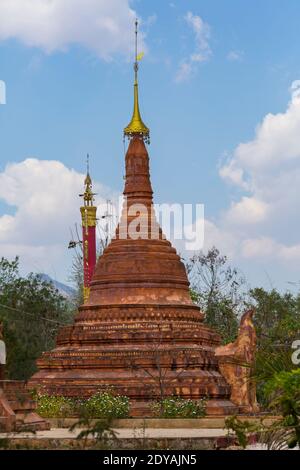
[{"x": 66, "y": 291}]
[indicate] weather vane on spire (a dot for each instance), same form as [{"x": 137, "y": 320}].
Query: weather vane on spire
[{"x": 136, "y": 127}]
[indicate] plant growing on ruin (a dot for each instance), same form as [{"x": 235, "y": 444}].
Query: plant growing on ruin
[
  {"x": 55, "y": 406},
  {"x": 101, "y": 405},
  {"x": 175, "y": 407},
  {"x": 106, "y": 405}
]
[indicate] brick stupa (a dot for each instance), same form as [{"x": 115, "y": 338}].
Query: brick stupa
[{"x": 139, "y": 331}]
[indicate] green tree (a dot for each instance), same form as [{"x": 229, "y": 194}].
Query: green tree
[
  {"x": 277, "y": 318},
  {"x": 277, "y": 321},
  {"x": 76, "y": 277},
  {"x": 217, "y": 288},
  {"x": 76, "y": 274},
  {"x": 32, "y": 311},
  {"x": 283, "y": 393}
]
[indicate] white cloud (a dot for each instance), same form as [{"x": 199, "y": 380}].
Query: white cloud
[
  {"x": 247, "y": 211},
  {"x": 202, "y": 34},
  {"x": 295, "y": 88},
  {"x": 264, "y": 247},
  {"x": 265, "y": 220},
  {"x": 276, "y": 142},
  {"x": 45, "y": 197},
  {"x": 214, "y": 235},
  {"x": 260, "y": 228},
  {"x": 2, "y": 92},
  {"x": 202, "y": 51},
  {"x": 151, "y": 20},
  {"x": 276, "y": 146},
  {"x": 102, "y": 26},
  {"x": 224, "y": 240},
  {"x": 235, "y": 56},
  {"x": 233, "y": 173},
  {"x": 258, "y": 247},
  {"x": 184, "y": 72}
]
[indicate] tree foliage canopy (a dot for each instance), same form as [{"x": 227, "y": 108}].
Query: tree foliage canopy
[
  {"x": 218, "y": 290},
  {"x": 31, "y": 310}
]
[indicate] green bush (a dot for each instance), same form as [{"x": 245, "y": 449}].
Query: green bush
[
  {"x": 105, "y": 405},
  {"x": 101, "y": 405},
  {"x": 241, "y": 429},
  {"x": 284, "y": 386},
  {"x": 55, "y": 406},
  {"x": 283, "y": 392},
  {"x": 175, "y": 407}
]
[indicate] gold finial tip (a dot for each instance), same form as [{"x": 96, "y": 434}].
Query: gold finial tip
[{"x": 136, "y": 127}]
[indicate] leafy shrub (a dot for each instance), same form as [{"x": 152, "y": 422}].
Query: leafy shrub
[
  {"x": 101, "y": 431},
  {"x": 283, "y": 391},
  {"x": 106, "y": 405},
  {"x": 101, "y": 405},
  {"x": 284, "y": 386},
  {"x": 281, "y": 394},
  {"x": 241, "y": 429},
  {"x": 55, "y": 406},
  {"x": 175, "y": 407}
]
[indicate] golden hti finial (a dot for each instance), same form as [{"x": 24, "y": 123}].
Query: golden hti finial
[
  {"x": 88, "y": 195},
  {"x": 136, "y": 127}
]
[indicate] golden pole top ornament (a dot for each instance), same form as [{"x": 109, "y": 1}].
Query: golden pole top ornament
[
  {"x": 88, "y": 195},
  {"x": 136, "y": 127}
]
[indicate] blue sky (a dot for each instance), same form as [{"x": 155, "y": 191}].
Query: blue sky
[{"x": 212, "y": 73}]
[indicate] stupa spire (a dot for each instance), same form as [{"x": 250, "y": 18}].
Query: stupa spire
[{"x": 136, "y": 127}]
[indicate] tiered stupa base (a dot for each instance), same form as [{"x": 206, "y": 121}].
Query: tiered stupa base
[{"x": 170, "y": 355}]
